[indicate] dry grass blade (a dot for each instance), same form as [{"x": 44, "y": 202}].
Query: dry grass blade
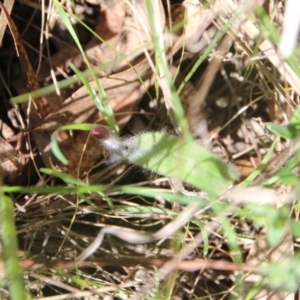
[
  {"x": 290, "y": 30},
  {"x": 138, "y": 237},
  {"x": 8, "y": 4}
]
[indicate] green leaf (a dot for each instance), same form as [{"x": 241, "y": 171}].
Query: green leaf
[
  {"x": 276, "y": 224},
  {"x": 295, "y": 224},
  {"x": 287, "y": 177},
  {"x": 170, "y": 156},
  {"x": 296, "y": 117},
  {"x": 204, "y": 235},
  {"x": 275, "y": 273},
  {"x": 275, "y": 234},
  {"x": 287, "y": 132}
]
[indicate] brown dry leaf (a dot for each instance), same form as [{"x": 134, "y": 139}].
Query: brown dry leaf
[
  {"x": 41, "y": 107},
  {"x": 109, "y": 29},
  {"x": 80, "y": 107},
  {"x": 123, "y": 26},
  {"x": 10, "y": 165},
  {"x": 197, "y": 19}
]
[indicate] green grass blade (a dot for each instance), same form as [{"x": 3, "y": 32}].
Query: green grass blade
[
  {"x": 89, "y": 88},
  {"x": 208, "y": 50},
  {"x": 260, "y": 167},
  {"x": 10, "y": 249},
  {"x": 161, "y": 60},
  {"x": 63, "y": 176},
  {"x": 107, "y": 111},
  {"x": 54, "y": 144},
  {"x": 46, "y": 190}
]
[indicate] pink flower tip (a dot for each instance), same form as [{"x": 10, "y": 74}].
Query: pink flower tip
[{"x": 100, "y": 132}]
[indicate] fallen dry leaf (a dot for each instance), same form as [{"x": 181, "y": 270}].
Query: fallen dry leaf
[
  {"x": 196, "y": 20},
  {"x": 11, "y": 165},
  {"x": 123, "y": 26}
]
